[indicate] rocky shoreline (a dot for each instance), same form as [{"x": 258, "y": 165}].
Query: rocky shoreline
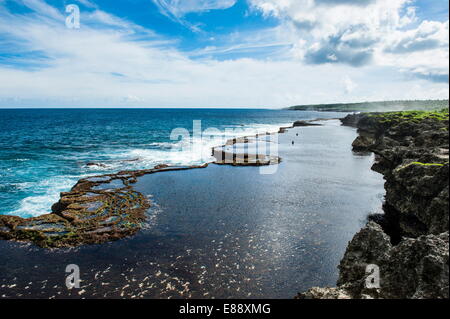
[
  {"x": 97, "y": 209},
  {"x": 105, "y": 208},
  {"x": 409, "y": 243}
]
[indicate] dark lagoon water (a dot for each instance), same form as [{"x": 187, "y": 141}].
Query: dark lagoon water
[
  {"x": 44, "y": 152},
  {"x": 221, "y": 231}
]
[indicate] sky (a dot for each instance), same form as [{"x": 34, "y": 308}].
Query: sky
[{"x": 221, "y": 53}]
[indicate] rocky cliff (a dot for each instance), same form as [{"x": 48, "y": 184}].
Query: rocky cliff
[{"x": 402, "y": 253}]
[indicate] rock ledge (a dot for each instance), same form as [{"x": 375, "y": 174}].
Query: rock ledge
[{"x": 409, "y": 243}]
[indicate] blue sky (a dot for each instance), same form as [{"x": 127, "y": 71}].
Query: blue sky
[{"x": 221, "y": 53}]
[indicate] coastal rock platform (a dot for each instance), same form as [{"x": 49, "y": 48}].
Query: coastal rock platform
[
  {"x": 96, "y": 210},
  {"x": 257, "y": 150},
  {"x": 221, "y": 231},
  {"x": 104, "y": 208},
  {"x": 409, "y": 243}
]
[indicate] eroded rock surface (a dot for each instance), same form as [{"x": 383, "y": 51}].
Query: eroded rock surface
[
  {"x": 96, "y": 210},
  {"x": 105, "y": 208},
  {"x": 257, "y": 150},
  {"x": 305, "y": 123},
  {"x": 409, "y": 242}
]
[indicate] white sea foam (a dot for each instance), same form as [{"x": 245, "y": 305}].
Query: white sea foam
[
  {"x": 193, "y": 151},
  {"x": 184, "y": 153},
  {"x": 37, "y": 205}
]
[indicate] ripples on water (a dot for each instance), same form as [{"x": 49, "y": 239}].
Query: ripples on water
[
  {"x": 222, "y": 232},
  {"x": 44, "y": 152}
]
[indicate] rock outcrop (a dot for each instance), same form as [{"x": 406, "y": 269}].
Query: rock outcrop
[
  {"x": 105, "y": 208},
  {"x": 257, "y": 150},
  {"x": 97, "y": 209},
  {"x": 408, "y": 245},
  {"x": 305, "y": 123}
]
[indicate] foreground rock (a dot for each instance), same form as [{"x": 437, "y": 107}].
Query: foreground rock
[
  {"x": 409, "y": 243},
  {"x": 96, "y": 210},
  {"x": 257, "y": 150},
  {"x": 305, "y": 123},
  {"x": 105, "y": 208}
]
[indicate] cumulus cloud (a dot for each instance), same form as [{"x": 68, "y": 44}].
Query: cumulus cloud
[
  {"x": 421, "y": 52},
  {"x": 428, "y": 36},
  {"x": 108, "y": 62},
  {"x": 367, "y": 32},
  {"x": 339, "y": 31},
  {"x": 351, "y": 46}
]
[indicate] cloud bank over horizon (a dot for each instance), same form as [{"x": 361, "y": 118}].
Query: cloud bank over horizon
[{"x": 222, "y": 53}]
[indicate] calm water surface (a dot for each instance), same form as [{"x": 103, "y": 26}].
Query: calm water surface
[
  {"x": 223, "y": 232},
  {"x": 44, "y": 152}
]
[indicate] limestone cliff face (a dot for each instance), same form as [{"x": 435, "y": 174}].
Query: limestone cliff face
[{"x": 409, "y": 242}]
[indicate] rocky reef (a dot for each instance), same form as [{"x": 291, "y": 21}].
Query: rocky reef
[
  {"x": 96, "y": 210},
  {"x": 104, "y": 208},
  {"x": 409, "y": 243},
  {"x": 248, "y": 151},
  {"x": 255, "y": 150}
]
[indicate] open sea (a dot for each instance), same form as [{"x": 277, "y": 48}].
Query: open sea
[
  {"x": 46, "y": 151},
  {"x": 214, "y": 232}
]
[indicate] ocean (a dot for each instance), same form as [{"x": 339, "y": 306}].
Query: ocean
[
  {"x": 46, "y": 151},
  {"x": 212, "y": 232}
]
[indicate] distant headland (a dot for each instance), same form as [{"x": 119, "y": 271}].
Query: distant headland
[{"x": 381, "y": 106}]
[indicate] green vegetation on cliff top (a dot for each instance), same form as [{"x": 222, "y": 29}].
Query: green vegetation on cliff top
[
  {"x": 421, "y": 164},
  {"x": 412, "y": 116},
  {"x": 427, "y": 164},
  {"x": 383, "y": 106}
]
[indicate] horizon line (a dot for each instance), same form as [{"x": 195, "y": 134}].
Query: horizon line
[{"x": 210, "y": 107}]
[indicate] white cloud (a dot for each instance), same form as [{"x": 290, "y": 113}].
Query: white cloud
[
  {"x": 87, "y": 3},
  {"x": 179, "y": 8},
  {"x": 422, "y": 51},
  {"x": 349, "y": 85},
  {"x": 108, "y": 63},
  {"x": 379, "y": 32},
  {"x": 428, "y": 35},
  {"x": 331, "y": 16},
  {"x": 43, "y": 9},
  {"x": 267, "y": 42}
]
